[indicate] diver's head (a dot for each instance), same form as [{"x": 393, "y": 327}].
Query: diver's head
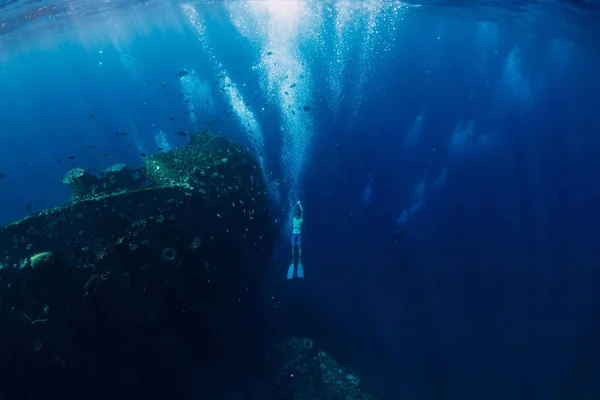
[{"x": 297, "y": 212}]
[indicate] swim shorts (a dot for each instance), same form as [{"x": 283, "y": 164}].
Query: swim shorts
[{"x": 296, "y": 239}]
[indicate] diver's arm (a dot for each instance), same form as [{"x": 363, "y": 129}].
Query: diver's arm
[{"x": 299, "y": 205}]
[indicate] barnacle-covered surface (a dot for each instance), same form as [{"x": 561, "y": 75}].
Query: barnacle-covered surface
[
  {"x": 216, "y": 173},
  {"x": 85, "y": 185},
  {"x": 302, "y": 371},
  {"x": 127, "y": 285}
]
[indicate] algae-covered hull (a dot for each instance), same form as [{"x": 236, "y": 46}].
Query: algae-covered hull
[{"x": 178, "y": 254}]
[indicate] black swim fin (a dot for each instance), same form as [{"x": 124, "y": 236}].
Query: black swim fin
[
  {"x": 300, "y": 273},
  {"x": 290, "y": 274}
]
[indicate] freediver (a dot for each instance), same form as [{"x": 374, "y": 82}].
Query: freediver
[{"x": 297, "y": 243}]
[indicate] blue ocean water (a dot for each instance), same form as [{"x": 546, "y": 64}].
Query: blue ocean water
[{"x": 446, "y": 158}]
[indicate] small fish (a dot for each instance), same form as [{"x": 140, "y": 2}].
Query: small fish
[
  {"x": 143, "y": 154},
  {"x": 293, "y": 85},
  {"x": 159, "y": 149},
  {"x": 269, "y": 53},
  {"x": 182, "y": 73},
  {"x": 71, "y": 157},
  {"x": 286, "y": 93},
  {"x": 181, "y": 133},
  {"x": 307, "y": 108},
  {"x": 163, "y": 84},
  {"x": 1, "y": 175},
  {"x": 28, "y": 206},
  {"x": 91, "y": 116},
  {"x": 172, "y": 118}
]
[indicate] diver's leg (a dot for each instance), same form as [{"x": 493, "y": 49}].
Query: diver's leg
[
  {"x": 300, "y": 272},
  {"x": 290, "y": 274},
  {"x": 292, "y": 243}
]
